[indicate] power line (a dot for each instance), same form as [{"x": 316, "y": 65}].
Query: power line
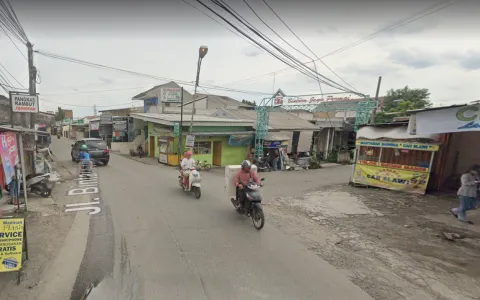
[
  {"x": 20, "y": 51},
  {"x": 1, "y": 65},
  {"x": 10, "y": 21},
  {"x": 295, "y": 63},
  {"x": 218, "y": 22},
  {"x": 143, "y": 75},
  {"x": 392, "y": 26},
  {"x": 97, "y": 91},
  {"x": 76, "y": 105}
]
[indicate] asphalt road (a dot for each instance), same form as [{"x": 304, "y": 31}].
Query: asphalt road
[{"x": 153, "y": 241}]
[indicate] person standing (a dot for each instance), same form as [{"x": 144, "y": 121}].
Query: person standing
[{"x": 467, "y": 194}]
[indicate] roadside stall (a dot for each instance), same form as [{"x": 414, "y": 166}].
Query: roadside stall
[
  {"x": 391, "y": 158},
  {"x": 275, "y": 144}
]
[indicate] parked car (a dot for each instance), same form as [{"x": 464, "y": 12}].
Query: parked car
[{"x": 97, "y": 148}]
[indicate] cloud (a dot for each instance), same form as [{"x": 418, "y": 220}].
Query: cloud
[
  {"x": 412, "y": 28},
  {"x": 413, "y": 59},
  {"x": 251, "y": 51},
  {"x": 469, "y": 60},
  {"x": 375, "y": 69},
  {"x": 105, "y": 80},
  {"x": 327, "y": 29}
]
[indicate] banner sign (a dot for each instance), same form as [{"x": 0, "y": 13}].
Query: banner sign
[
  {"x": 456, "y": 119},
  {"x": 120, "y": 125},
  {"x": 11, "y": 244},
  {"x": 106, "y": 119},
  {"x": 398, "y": 179},
  {"x": 171, "y": 94},
  {"x": 240, "y": 140},
  {"x": 24, "y": 103},
  {"x": 390, "y": 144},
  {"x": 9, "y": 154},
  {"x": 94, "y": 125},
  {"x": 190, "y": 141}
]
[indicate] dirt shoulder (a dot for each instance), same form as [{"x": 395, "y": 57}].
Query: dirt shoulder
[{"x": 390, "y": 244}]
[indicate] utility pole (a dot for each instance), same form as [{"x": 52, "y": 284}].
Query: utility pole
[
  {"x": 202, "y": 51},
  {"x": 32, "y": 87},
  {"x": 180, "y": 148},
  {"x": 374, "y": 112}
]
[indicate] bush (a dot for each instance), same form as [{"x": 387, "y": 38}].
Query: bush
[{"x": 314, "y": 163}]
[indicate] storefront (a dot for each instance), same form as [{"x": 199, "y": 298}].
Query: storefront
[
  {"x": 459, "y": 129},
  {"x": 275, "y": 144},
  {"x": 218, "y": 141},
  {"x": 392, "y": 159}
]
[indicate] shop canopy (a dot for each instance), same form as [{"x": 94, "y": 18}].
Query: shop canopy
[
  {"x": 392, "y": 133},
  {"x": 19, "y": 129}
]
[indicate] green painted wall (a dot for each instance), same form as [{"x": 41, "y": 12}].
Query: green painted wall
[{"x": 230, "y": 155}]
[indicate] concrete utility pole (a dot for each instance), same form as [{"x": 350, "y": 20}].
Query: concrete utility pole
[
  {"x": 202, "y": 51},
  {"x": 374, "y": 112},
  {"x": 32, "y": 85}
]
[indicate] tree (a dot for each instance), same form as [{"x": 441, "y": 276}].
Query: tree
[
  {"x": 249, "y": 102},
  {"x": 399, "y": 101},
  {"x": 60, "y": 115}
]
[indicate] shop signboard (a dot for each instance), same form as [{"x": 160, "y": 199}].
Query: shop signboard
[
  {"x": 455, "y": 119},
  {"x": 190, "y": 141},
  {"x": 12, "y": 235},
  {"x": 24, "y": 103},
  {"x": 94, "y": 125},
  {"x": 173, "y": 95},
  {"x": 391, "y": 144},
  {"x": 393, "y": 177},
  {"x": 106, "y": 119},
  {"x": 275, "y": 144},
  {"x": 176, "y": 129},
  {"x": 119, "y": 125},
  {"x": 9, "y": 154}
]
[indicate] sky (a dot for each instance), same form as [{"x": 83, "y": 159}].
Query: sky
[{"x": 439, "y": 51}]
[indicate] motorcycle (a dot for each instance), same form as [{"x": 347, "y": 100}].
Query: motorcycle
[
  {"x": 58, "y": 136},
  {"x": 262, "y": 165},
  {"x": 255, "y": 211},
  {"x": 38, "y": 184},
  {"x": 140, "y": 152},
  {"x": 193, "y": 182}
]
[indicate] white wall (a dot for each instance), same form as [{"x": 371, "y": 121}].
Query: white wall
[{"x": 123, "y": 148}]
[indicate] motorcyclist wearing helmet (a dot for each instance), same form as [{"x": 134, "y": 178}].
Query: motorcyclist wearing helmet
[
  {"x": 187, "y": 163},
  {"x": 242, "y": 178},
  {"x": 84, "y": 156}
]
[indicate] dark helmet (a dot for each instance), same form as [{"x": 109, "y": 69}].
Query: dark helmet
[{"x": 246, "y": 165}]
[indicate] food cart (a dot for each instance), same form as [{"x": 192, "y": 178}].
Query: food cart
[{"x": 395, "y": 164}]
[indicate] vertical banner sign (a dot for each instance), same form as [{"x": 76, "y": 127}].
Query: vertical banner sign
[
  {"x": 24, "y": 103},
  {"x": 176, "y": 129},
  {"x": 11, "y": 244},
  {"x": 190, "y": 140},
  {"x": 9, "y": 154}
]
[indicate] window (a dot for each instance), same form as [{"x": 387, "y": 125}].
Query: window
[
  {"x": 202, "y": 147},
  {"x": 96, "y": 144}
]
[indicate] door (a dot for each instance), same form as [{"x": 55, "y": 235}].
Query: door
[
  {"x": 217, "y": 154},
  {"x": 152, "y": 147}
]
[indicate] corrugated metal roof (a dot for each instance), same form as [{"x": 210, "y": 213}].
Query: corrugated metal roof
[
  {"x": 4, "y": 128},
  {"x": 437, "y": 108},
  {"x": 278, "y": 120},
  {"x": 169, "y": 119},
  {"x": 223, "y": 100},
  {"x": 276, "y": 136}
]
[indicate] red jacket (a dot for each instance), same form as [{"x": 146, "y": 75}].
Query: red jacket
[{"x": 244, "y": 178}]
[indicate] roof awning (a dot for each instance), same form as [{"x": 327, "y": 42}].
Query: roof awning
[
  {"x": 275, "y": 136},
  {"x": 19, "y": 129},
  {"x": 242, "y": 133}
]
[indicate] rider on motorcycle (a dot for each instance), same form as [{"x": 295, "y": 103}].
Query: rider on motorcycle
[
  {"x": 84, "y": 156},
  {"x": 187, "y": 163},
  {"x": 242, "y": 178}
]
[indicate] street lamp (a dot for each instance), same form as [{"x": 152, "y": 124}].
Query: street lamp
[{"x": 202, "y": 51}]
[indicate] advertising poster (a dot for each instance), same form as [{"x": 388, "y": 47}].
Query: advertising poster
[
  {"x": 9, "y": 154},
  {"x": 392, "y": 178},
  {"x": 11, "y": 244}
]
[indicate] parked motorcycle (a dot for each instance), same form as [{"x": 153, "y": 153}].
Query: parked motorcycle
[
  {"x": 255, "y": 211},
  {"x": 262, "y": 165},
  {"x": 38, "y": 184},
  {"x": 193, "y": 182},
  {"x": 140, "y": 152}
]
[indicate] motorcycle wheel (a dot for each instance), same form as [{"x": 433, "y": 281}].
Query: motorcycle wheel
[
  {"x": 197, "y": 192},
  {"x": 46, "y": 193},
  {"x": 258, "y": 218}
]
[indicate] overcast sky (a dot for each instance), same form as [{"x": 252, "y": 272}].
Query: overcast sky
[{"x": 440, "y": 51}]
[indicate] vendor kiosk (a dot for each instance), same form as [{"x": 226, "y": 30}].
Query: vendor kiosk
[{"x": 393, "y": 164}]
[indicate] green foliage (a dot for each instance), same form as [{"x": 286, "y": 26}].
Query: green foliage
[
  {"x": 60, "y": 115},
  {"x": 333, "y": 156},
  {"x": 400, "y": 101},
  {"x": 314, "y": 163},
  {"x": 250, "y": 102}
]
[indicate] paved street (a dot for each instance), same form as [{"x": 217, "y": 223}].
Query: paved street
[{"x": 153, "y": 241}]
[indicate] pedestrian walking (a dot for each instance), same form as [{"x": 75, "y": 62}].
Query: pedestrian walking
[{"x": 467, "y": 194}]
